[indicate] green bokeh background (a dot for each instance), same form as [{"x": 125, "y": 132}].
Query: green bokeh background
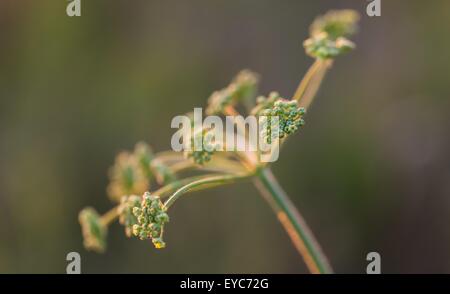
[{"x": 370, "y": 171}]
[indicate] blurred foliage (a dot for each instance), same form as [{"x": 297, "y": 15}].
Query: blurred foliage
[{"x": 370, "y": 171}]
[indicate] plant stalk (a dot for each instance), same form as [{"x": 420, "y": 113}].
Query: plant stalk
[
  {"x": 310, "y": 84},
  {"x": 293, "y": 222},
  {"x": 207, "y": 182}
]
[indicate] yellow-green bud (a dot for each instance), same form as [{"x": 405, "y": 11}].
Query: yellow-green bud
[
  {"x": 94, "y": 232},
  {"x": 322, "y": 47},
  {"x": 336, "y": 23},
  {"x": 242, "y": 87},
  {"x": 151, "y": 217},
  {"x": 127, "y": 177},
  {"x": 290, "y": 119},
  {"x": 125, "y": 210}
]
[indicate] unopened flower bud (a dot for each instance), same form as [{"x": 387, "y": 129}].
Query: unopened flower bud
[
  {"x": 151, "y": 218},
  {"x": 290, "y": 119},
  {"x": 94, "y": 232}
]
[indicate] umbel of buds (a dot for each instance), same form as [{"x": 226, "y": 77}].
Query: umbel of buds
[
  {"x": 151, "y": 216},
  {"x": 263, "y": 103},
  {"x": 328, "y": 34},
  {"x": 290, "y": 119},
  {"x": 322, "y": 47},
  {"x": 243, "y": 87},
  {"x": 132, "y": 172},
  {"x": 94, "y": 232},
  {"x": 336, "y": 23},
  {"x": 207, "y": 146},
  {"x": 143, "y": 154},
  {"x": 127, "y": 177}
]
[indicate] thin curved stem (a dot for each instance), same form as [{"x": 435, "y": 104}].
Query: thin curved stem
[
  {"x": 293, "y": 222},
  {"x": 168, "y": 189},
  {"x": 208, "y": 182}
]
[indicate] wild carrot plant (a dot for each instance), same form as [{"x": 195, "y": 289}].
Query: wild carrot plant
[{"x": 143, "y": 210}]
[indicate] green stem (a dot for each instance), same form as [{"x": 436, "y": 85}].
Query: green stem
[
  {"x": 208, "y": 182},
  {"x": 168, "y": 189},
  {"x": 293, "y": 222},
  {"x": 312, "y": 85},
  {"x": 109, "y": 217},
  {"x": 304, "y": 83}
]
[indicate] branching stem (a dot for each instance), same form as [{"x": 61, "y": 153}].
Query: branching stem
[{"x": 293, "y": 222}]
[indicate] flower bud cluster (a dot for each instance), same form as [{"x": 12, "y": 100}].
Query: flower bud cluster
[{"x": 151, "y": 216}]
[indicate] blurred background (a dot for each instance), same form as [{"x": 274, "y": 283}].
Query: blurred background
[{"x": 370, "y": 171}]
